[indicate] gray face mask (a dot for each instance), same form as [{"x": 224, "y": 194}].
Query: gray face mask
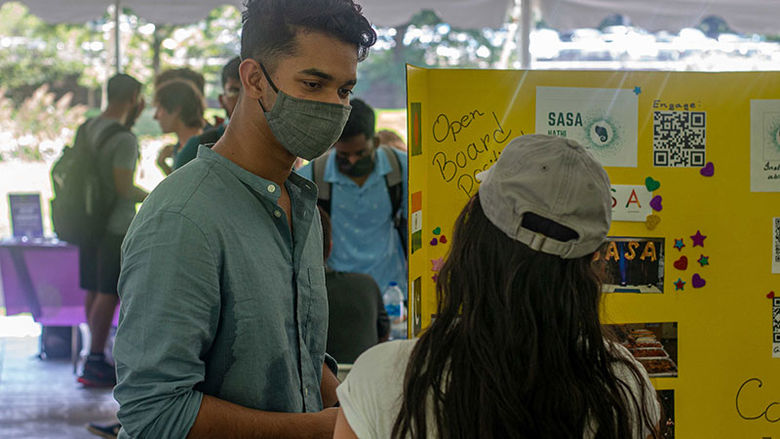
[{"x": 304, "y": 127}]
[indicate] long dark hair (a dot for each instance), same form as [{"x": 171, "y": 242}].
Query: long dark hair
[{"x": 516, "y": 349}]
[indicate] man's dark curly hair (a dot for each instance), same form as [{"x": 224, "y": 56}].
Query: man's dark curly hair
[{"x": 270, "y": 26}]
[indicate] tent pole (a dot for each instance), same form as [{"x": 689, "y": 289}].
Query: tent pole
[
  {"x": 117, "y": 36},
  {"x": 525, "y": 35},
  {"x": 511, "y": 37}
]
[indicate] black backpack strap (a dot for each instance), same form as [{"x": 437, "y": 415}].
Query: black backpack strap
[
  {"x": 394, "y": 181},
  {"x": 323, "y": 187}
]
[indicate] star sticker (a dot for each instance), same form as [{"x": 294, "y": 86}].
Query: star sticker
[
  {"x": 679, "y": 285},
  {"x": 637, "y": 90},
  {"x": 704, "y": 260},
  {"x": 698, "y": 239},
  {"x": 679, "y": 244}
]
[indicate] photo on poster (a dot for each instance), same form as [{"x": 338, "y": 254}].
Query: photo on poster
[
  {"x": 666, "y": 398},
  {"x": 679, "y": 139},
  {"x": 631, "y": 203},
  {"x": 632, "y": 265},
  {"x": 654, "y": 345},
  {"x": 603, "y": 120},
  {"x": 765, "y": 145}
]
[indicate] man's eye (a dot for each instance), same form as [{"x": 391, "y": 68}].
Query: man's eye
[
  {"x": 311, "y": 84},
  {"x": 345, "y": 93}
]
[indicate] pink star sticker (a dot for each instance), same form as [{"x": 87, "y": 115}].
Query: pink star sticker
[{"x": 698, "y": 239}]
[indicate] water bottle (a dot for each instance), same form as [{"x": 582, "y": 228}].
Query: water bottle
[{"x": 396, "y": 311}]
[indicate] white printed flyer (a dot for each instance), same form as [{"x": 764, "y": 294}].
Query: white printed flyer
[
  {"x": 765, "y": 145},
  {"x": 604, "y": 121}
]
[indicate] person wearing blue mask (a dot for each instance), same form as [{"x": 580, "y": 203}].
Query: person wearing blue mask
[
  {"x": 362, "y": 186},
  {"x": 224, "y": 314},
  {"x": 231, "y": 87}
]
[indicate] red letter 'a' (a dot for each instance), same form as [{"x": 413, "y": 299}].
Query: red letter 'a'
[{"x": 634, "y": 198}]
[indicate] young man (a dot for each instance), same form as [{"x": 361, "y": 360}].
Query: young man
[
  {"x": 363, "y": 187},
  {"x": 231, "y": 87},
  {"x": 99, "y": 264},
  {"x": 224, "y": 308},
  {"x": 179, "y": 110},
  {"x": 357, "y": 319}
]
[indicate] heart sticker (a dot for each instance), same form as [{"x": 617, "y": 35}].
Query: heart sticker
[
  {"x": 652, "y": 221},
  {"x": 771, "y": 295},
  {"x": 656, "y": 203},
  {"x": 708, "y": 170},
  {"x": 434, "y": 241},
  {"x": 697, "y": 281},
  {"x": 682, "y": 263},
  {"x": 443, "y": 239},
  {"x": 437, "y": 231},
  {"x": 652, "y": 185}
]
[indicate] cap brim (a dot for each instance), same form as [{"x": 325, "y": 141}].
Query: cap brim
[{"x": 482, "y": 176}]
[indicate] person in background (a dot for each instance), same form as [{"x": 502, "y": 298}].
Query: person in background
[
  {"x": 184, "y": 74},
  {"x": 99, "y": 265},
  {"x": 187, "y": 74},
  {"x": 517, "y": 349},
  {"x": 363, "y": 187},
  {"x": 179, "y": 110},
  {"x": 224, "y": 307},
  {"x": 231, "y": 87},
  {"x": 391, "y": 138},
  {"x": 357, "y": 318}
]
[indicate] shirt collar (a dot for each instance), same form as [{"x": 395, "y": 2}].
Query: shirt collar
[
  {"x": 332, "y": 175},
  {"x": 264, "y": 188}
]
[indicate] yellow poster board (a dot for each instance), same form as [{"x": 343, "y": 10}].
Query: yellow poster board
[{"x": 694, "y": 159}]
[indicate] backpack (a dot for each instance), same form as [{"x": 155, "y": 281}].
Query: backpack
[
  {"x": 393, "y": 180},
  {"x": 81, "y": 204}
]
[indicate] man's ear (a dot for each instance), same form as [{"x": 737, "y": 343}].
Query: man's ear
[{"x": 251, "y": 79}]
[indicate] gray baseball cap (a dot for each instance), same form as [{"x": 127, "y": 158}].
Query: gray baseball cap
[{"x": 554, "y": 178}]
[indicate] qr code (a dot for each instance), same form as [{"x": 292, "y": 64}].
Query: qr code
[
  {"x": 679, "y": 139},
  {"x": 776, "y": 320}
]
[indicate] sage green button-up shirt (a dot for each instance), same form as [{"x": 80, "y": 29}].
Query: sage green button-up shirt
[{"x": 219, "y": 298}]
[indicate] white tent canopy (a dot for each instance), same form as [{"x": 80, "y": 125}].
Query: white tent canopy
[
  {"x": 155, "y": 11},
  {"x": 749, "y": 16},
  {"x": 467, "y": 14},
  {"x": 759, "y": 16},
  {"x": 459, "y": 13}
]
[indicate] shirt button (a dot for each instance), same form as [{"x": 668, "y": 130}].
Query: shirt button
[
  {"x": 271, "y": 188},
  {"x": 277, "y": 214},
  {"x": 306, "y": 391}
]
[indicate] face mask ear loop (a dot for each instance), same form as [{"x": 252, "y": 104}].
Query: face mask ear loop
[{"x": 273, "y": 86}]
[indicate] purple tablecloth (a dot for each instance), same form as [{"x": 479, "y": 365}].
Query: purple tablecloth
[{"x": 42, "y": 278}]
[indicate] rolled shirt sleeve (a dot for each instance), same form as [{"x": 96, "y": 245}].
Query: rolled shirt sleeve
[{"x": 170, "y": 302}]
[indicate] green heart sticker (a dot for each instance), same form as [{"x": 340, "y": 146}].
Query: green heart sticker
[
  {"x": 437, "y": 231},
  {"x": 652, "y": 185}
]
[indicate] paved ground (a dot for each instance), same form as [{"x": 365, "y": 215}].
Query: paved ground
[{"x": 41, "y": 399}]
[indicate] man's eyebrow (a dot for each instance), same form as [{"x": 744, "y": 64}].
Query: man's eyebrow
[
  {"x": 326, "y": 76},
  {"x": 318, "y": 73}
]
